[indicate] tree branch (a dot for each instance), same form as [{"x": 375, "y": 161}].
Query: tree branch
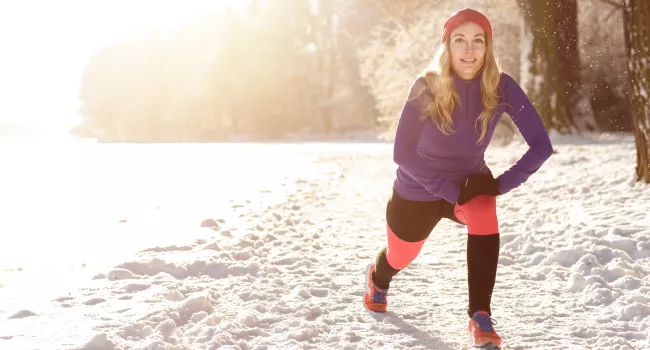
[
  {"x": 613, "y": 3},
  {"x": 611, "y": 13}
]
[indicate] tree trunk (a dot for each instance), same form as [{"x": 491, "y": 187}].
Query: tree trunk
[
  {"x": 636, "y": 21},
  {"x": 574, "y": 102},
  {"x": 327, "y": 50},
  {"x": 550, "y": 66}
]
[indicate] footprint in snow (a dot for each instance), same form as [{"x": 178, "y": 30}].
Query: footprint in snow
[
  {"x": 95, "y": 301},
  {"x": 210, "y": 223},
  {"x": 22, "y": 314}
]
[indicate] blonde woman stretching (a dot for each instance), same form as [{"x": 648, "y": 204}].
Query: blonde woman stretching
[{"x": 444, "y": 129}]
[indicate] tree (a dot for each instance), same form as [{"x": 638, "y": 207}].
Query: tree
[
  {"x": 276, "y": 68},
  {"x": 636, "y": 18},
  {"x": 401, "y": 46},
  {"x": 550, "y": 65}
]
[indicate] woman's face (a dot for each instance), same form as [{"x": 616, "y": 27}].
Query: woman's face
[{"x": 467, "y": 46}]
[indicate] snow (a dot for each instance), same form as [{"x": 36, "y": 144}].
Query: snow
[{"x": 176, "y": 246}]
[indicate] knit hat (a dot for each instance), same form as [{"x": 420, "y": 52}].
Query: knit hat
[{"x": 463, "y": 16}]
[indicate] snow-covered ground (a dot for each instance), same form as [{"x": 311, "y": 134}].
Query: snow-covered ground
[{"x": 102, "y": 248}]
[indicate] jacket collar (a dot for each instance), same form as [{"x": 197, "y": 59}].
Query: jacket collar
[{"x": 461, "y": 82}]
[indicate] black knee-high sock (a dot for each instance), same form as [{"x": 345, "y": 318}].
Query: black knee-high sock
[
  {"x": 383, "y": 273},
  {"x": 482, "y": 261}
]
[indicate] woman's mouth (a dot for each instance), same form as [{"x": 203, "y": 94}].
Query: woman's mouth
[{"x": 468, "y": 60}]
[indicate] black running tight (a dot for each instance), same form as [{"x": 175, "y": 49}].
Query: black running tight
[{"x": 409, "y": 224}]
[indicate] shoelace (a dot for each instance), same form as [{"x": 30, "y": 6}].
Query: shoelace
[
  {"x": 379, "y": 296},
  {"x": 485, "y": 323}
]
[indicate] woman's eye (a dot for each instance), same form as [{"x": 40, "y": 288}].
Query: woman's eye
[
  {"x": 480, "y": 41},
  {"x": 459, "y": 40}
]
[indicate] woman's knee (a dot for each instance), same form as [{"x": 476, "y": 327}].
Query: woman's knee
[
  {"x": 401, "y": 253},
  {"x": 480, "y": 215}
]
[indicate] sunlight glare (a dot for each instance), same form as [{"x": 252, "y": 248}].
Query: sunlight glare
[{"x": 45, "y": 50}]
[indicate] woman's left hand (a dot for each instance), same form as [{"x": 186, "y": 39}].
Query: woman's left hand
[{"x": 476, "y": 185}]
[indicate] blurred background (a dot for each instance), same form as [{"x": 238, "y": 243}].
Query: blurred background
[{"x": 207, "y": 71}]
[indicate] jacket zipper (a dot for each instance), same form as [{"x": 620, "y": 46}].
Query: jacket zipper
[{"x": 467, "y": 101}]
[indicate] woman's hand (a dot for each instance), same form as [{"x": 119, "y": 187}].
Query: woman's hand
[{"x": 476, "y": 185}]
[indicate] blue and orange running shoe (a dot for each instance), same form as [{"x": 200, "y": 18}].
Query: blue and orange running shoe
[
  {"x": 375, "y": 298},
  {"x": 482, "y": 334}
]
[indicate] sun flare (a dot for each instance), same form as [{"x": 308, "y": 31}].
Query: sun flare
[{"x": 47, "y": 50}]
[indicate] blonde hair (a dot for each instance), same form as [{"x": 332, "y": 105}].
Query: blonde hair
[{"x": 445, "y": 94}]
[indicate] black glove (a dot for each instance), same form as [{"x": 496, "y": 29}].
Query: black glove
[{"x": 476, "y": 185}]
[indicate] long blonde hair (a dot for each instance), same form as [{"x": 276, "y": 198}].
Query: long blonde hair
[{"x": 445, "y": 95}]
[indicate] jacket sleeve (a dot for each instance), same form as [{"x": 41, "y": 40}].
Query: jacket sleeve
[
  {"x": 407, "y": 137},
  {"x": 531, "y": 127}
]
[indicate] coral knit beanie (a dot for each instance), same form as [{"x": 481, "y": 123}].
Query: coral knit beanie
[{"x": 463, "y": 16}]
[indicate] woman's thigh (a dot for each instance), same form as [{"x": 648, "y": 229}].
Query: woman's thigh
[
  {"x": 479, "y": 215},
  {"x": 412, "y": 221}
]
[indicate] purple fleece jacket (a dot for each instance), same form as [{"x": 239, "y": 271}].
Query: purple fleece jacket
[{"x": 431, "y": 165}]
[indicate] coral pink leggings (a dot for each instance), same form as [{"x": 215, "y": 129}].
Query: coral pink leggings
[{"x": 479, "y": 215}]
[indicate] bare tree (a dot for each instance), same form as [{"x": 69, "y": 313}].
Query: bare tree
[
  {"x": 403, "y": 46},
  {"x": 636, "y": 20},
  {"x": 551, "y": 65}
]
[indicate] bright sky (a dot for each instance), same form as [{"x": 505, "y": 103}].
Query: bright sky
[{"x": 45, "y": 44}]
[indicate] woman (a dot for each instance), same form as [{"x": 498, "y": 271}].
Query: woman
[{"x": 444, "y": 129}]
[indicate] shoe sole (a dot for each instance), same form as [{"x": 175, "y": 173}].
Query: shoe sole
[{"x": 489, "y": 345}]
